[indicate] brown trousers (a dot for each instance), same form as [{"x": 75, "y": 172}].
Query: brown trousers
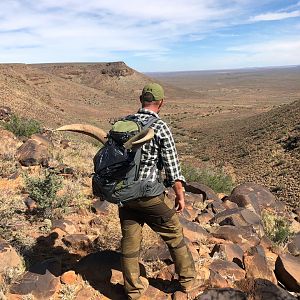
[{"x": 159, "y": 214}]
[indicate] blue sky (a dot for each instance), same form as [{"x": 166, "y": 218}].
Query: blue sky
[{"x": 156, "y": 35}]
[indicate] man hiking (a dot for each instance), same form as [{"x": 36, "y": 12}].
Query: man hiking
[
  {"x": 154, "y": 150},
  {"x": 158, "y": 212}
]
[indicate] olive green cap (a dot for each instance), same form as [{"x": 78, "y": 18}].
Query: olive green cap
[{"x": 155, "y": 89}]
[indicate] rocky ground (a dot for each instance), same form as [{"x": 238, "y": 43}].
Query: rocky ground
[{"x": 245, "y": 245}]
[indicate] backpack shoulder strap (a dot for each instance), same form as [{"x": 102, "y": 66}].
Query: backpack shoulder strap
[{"x": 138, "y": 155}]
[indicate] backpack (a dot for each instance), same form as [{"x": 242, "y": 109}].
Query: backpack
[{"x": 116, "y": 168}]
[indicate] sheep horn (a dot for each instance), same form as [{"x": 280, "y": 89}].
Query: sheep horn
[
  {"x": 89, "y": 130},
  {"x": 140, "y": 138}
]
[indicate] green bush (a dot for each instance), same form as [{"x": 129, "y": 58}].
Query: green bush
[
  {"x": 44, "y": 191},
  {"x": 277, "y": 228},
  {"x": 216, "y": 180},
  {"x": 22, "y": 127}
]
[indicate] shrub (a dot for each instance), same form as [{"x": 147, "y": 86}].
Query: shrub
[
  {"x": 216, "y": 180},
  {"x": 22, "y": 126},
  {"x": 277, "y": 228},
  {"x": 44, "y": 191}
]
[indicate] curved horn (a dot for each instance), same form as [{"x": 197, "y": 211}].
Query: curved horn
[
  {"x": 140, "y": 138},
  {"x": 89, "y": 130}
]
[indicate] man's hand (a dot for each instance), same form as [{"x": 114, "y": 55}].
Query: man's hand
[
  {"x": 179, "y": 199},
  {"x": 179, "y": 204}
]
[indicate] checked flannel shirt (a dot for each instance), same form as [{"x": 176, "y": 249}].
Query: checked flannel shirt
[{"x": 161, "y": 149}]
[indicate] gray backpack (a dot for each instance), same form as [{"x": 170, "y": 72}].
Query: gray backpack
[{"x": 116, "y": 169}]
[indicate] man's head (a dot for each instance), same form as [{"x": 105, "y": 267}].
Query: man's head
[{"x": 152, "y": 96}]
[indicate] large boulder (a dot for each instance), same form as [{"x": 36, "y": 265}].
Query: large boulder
[
  {"x": 252, "y": 196},
  {"x": 294, "y": 245},
  {"x": 193, "y": 231},
  {"x": 42, "y": 281},
  {"x": 287, "y": 270},
  {"x": 230, "y": 252},
  {"x": 222, "y": 294},
  {"x": 256, "y": 264},
  {"x": 42, "y": 139},
  {"x": 33, "y": 153},
  {"x": 199, "y": 188},
  {"x": 263, "y": 289},
  {"x": 245, "y": 236},
  {"x": 228, "y": 270},
  {"x": 237, "y": 217}
]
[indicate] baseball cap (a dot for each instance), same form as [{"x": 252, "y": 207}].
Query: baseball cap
[{"x": 155, "y": 89}]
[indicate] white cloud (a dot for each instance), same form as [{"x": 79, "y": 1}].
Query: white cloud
[
  {"x": 94, "y": 30},
  {"x": 276, "y": 16}
]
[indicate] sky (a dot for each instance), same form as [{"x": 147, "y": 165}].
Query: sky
[{"x": 152, "y": 36}]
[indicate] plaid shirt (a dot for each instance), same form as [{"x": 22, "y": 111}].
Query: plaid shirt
[{"x": 160, "y": 151}]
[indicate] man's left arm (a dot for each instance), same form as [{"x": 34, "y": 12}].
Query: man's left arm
[{"x": 172, "y": 168}]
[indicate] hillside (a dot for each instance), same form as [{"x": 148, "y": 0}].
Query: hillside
[
  {"x": 234, "y": 120},
  {"x": 264, "y": 148},
  {"x": 54, "y": 94}
]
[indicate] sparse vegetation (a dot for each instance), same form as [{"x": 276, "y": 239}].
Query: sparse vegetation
[
  {"x": 276, "y": 228},
  {"x": 44, "y": 190},
  {"x": 22, "y": 127},
  {"x": 217, "y": 180}
]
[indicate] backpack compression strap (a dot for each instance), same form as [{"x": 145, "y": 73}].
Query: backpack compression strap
[{"x": 138, "y": 155}]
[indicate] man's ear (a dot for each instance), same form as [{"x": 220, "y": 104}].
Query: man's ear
[{"x": 161, "y": 103}]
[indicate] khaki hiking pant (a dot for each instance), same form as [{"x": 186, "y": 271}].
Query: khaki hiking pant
[{"x": 159, "y": 213}]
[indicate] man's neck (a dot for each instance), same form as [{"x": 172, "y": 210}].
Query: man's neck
[{"x": 152, "y": 108}]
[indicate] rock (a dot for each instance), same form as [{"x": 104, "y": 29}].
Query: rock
[
  {"x": 216, "y": 206},
  {"x": 228, "y": 270},
  {"x": 30, "y": 204},
  {"x": 154, "y": 293},
  {"x": 77, "y": 241},
  {"x": 204, "y": 218},
  {"x": 294, "y": 245},
  {"x": 256, "y": 264},
  {"x": 229, "y": 204},
  {"x": 244, "y": 236},
  {"x": 86, "y": 293},
  {"x": 42, "y": 139},
  {"x": 39, "y": 282},
  {"x": 68, "y": 277},
  {"x": 33, "y": 153},
  {"x": 252, "y": 196},
  {"x": 97, "y": 267},
  {"x": 237, "y": 217},
  {"x": 222, "y": 294},
  {"x": 295, "y": 226},
  {"x": 64, "y": 225},
  {"x": 230, "y": 252},
  {"x": 198, "y": 188},
  {"x": 157, "y": 251},
  {"x": 287, "y": 271},
  {"x": 167, "y": 273},
  {"x": 64, "y": 144},
  {"x": 100, "y": 207},
  {"x": 5, "y": 113},
  {"x": 9, "y": 258},
  {"x": 262, "y": 289},
  {"x": 189, "y": 212},
  {"x": 193, "y": 231},
  {"x": 217, "y": 281}
]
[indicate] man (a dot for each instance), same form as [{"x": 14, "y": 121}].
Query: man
[{"x": 158, "y": 212}]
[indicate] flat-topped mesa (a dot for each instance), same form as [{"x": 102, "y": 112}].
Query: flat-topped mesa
[{"x": 117, "y": 69}]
